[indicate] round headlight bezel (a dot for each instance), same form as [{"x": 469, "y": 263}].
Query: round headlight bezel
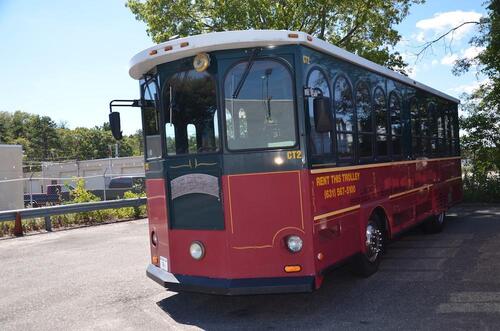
[
  {"x": 198, "y": 246},
  {"x": 201, "y": 62},
  {"x": 154, "y": 238},
  {"x": 294, "y": 243}
]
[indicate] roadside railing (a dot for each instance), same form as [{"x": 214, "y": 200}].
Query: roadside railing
[{"x": 46, "y": 212}]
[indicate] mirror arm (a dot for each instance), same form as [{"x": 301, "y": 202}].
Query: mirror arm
[{"x": 124, "y": 103}]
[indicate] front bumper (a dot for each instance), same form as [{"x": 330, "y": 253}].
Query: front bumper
[{"x": 230, "y": 286}]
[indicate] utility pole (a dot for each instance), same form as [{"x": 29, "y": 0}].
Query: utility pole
[{"x": 104, "y": 177}]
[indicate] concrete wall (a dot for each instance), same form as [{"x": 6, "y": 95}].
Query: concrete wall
[
  {"x": 96, "y": 172},
  {"x": 11, "y": 168}
]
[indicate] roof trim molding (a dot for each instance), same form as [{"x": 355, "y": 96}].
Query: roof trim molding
[{"x": 176, "y": 49}]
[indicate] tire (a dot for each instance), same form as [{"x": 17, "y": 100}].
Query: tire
[
  {"x": 435, "y": 224},
  {"x": 366, "y": 264}
]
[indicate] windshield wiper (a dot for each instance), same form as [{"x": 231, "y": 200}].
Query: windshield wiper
[{"x": 251, "y": 60}]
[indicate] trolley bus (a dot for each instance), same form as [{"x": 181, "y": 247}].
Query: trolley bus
[{"x": 273, "y": 156}]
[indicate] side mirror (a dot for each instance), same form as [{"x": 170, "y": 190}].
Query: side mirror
[
  {"x": 322, "y": 114},
  {"x": 114, "y": 123}
]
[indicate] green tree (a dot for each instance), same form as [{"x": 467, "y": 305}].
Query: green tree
[
  {"x": 41, "y": 132},
  {"x": 487, "y": 61},
  {"x": 481, "y": 120},
  {"x": 365, "y": 27},
  {"x": 42, "y": 139}
]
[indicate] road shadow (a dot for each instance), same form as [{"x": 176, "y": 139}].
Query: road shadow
[
  {"x": 267, "y": 312},
  {"x": 411, "y": 284}
]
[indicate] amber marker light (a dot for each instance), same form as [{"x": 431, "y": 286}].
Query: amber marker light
[
  {"x": 184, "y": 44},
  {"x": 201, "y": 62},
  {"x": 168, "y": 48},
  {"x": 153, "y": 52},
  {"x": 293, "y": 35},
  {"x": 154, "y": 259},
  {"x": 309, "y": 38},
  {"x": 293, "y": 268},
  {"x": 321, "y": 256}
]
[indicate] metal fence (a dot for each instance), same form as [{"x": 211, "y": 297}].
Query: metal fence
[{"x": 46, "y": 212}]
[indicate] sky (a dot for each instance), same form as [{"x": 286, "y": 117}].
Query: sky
[{"x": 68, "y": 59}]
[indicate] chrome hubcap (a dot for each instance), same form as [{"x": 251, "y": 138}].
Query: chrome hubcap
[{"x": 373, "y": 242}]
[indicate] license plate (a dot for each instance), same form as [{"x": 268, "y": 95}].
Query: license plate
[{"x": 164, "y": 263}]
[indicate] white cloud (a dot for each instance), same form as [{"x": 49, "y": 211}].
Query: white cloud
[
  {"x": 472, "y": 52},
  {"x": 420, "y": 37},
  {"x": 467, "y": 88},
  {"x": 441, "y": 22},
  {"x": 468, "y": 53},
  {"x": 449, "y": 59}
]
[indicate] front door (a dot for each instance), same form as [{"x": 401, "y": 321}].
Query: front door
[{"x": 193, "y": 163}]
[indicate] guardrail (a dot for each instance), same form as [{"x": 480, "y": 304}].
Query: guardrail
[{"x": 18, "y": 214}]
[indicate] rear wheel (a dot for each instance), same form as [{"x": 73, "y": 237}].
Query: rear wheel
[
  {"x": 366, "y": 264},
  {"x": 435, "y": 224}
]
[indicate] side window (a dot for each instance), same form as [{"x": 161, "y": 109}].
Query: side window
[
  {"x": 415, "y": 128},
  {"x": 434, "y": 123},
  {"x": 344, "y": 117},
  {"x": 455, "y": 139},
  {"x": 442, "y": 129},
  {"x": 424, "y": 130},
  {"x": 151, "y": 120},
  {"x": 395, "y": 115},
  {"x": 365, "y": 120},
  {"x": 380, "y": 112},
  {"x": 321, "y": 143}
]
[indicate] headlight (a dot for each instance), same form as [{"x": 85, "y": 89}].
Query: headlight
[
  {"x": 294, "y": 243},
  {"x": 197, "y": 250}
]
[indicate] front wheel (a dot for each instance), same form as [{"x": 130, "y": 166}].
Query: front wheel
[
  {"x": 365, "y": 264},
  {"x": 435, "y": 224}
]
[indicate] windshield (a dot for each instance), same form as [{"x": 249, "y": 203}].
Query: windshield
[
  {"x": 191, "y": 113},
  {"x": 260, "y": 114}
]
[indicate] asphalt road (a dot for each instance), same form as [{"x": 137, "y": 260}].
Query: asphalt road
[{"x": 94, "y": 279}]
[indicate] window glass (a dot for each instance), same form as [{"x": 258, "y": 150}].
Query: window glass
[
  {"x": 344, "y": 117},
  {"x": 415, "y": 120},
  {"x": 364, "y": 116},
  {"x": 395, "y": 111},
  {"x": 321, "y": 143},
  {"x": 415, "y": 127},
  {"x": 395, "y": 117},
  {"x": 434, "y": 122},
  {"x": 424, "y": 121},
  {"x": 259, "y": 107},
  {"x": 151, "y": 120},
  {"x": 365, "y": 145},
  {"x": 191, "y": 113},
  {"x": 382, "y": 145},
  {"x": 345, "y": 147},
  {"x": 363, "y": 108},
  {"x": 380, "y": 111},
  {"x": 343, "y": 104}
]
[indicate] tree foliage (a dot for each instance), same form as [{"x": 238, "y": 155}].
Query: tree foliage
[
  {"x": 43, "y": 140},
  {"x": 487, "y": 62},
  {"x": 365, "y": 27},
  {"x": 481, "y": 120}
]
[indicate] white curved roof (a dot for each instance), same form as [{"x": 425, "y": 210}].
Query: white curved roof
[{"x": 176, "y": 49}]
